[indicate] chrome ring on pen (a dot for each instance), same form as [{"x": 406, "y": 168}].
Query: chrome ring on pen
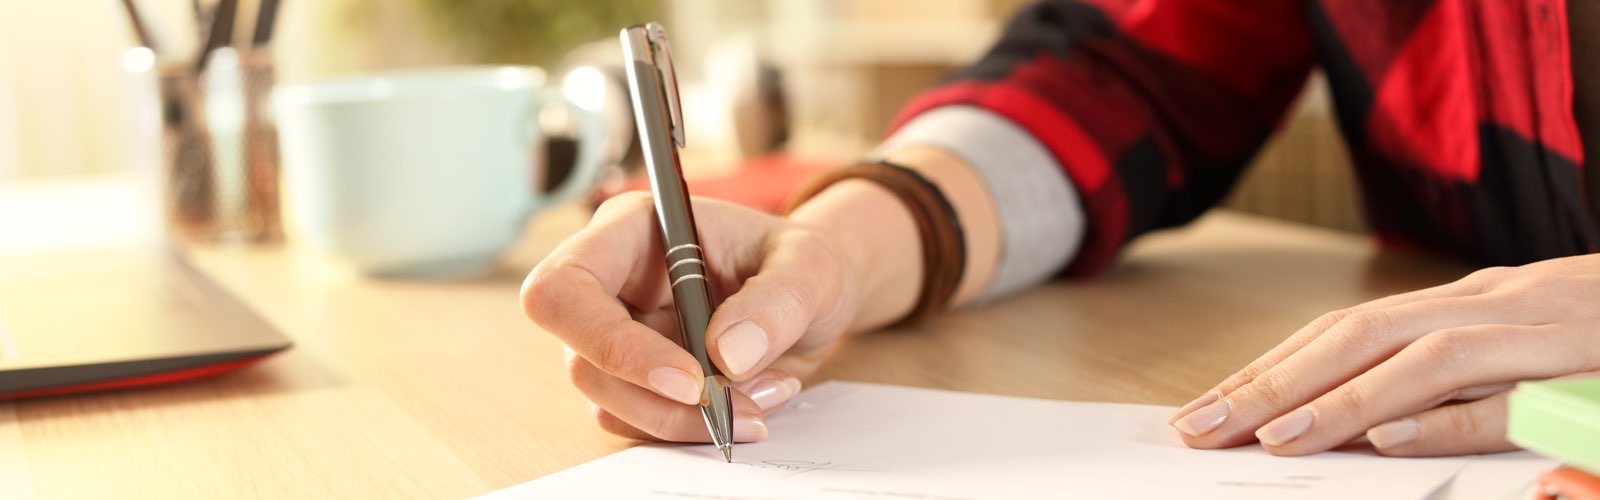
[{"x": 687, "y": 277}]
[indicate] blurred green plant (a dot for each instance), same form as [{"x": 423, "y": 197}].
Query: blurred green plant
[{"x": 532, "y": 31}]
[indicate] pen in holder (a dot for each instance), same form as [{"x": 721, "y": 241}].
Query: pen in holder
[{"x": 220, "y": 181}]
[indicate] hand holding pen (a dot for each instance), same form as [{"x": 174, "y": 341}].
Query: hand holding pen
[{"x": 606, "y": 293}]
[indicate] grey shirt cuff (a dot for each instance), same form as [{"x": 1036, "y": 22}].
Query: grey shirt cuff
[{"x": 1041, "y": 221}]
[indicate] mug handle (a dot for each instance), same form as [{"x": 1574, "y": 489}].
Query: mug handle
[{"x": 586, "y": 167}]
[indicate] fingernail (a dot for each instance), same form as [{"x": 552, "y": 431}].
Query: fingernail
[
  {"x": 1396, "y": 433},
  {"x": 1286, "y": 428},
  {"x": 1209, "y": 397},
  {"x": 675, "y": 384},
  {"x": 1203, "y": 420},
  {"x": 772, "y": 392},
  {"x": 742, "y": 347},
  {"x": 747, "y": 428}
]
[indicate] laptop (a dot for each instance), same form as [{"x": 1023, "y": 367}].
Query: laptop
[{"x": 77, "y": 320}]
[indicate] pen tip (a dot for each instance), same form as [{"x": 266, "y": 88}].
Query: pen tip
[{"x": 727, "y": 452}]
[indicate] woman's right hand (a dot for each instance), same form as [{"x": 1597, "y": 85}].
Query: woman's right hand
[{"x": 790, "y": 293}]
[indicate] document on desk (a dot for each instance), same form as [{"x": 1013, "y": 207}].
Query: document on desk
[{"x": 855, "y": 440}]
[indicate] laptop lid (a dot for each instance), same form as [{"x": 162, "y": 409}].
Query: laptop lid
[{"x": 75, "y": 320}]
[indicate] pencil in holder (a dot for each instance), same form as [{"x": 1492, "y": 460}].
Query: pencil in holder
[{"x": 220, "y": 145}]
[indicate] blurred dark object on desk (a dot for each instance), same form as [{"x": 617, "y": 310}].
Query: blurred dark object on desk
[
  {"x": 592, "y": 75},
  {"x": 741, "y": 95}
]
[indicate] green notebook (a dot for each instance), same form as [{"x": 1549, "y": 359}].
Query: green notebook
[{"x": 1559, "y": 418}]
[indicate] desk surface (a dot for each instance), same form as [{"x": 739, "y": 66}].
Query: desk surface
[{"x": 416, "y": 389}]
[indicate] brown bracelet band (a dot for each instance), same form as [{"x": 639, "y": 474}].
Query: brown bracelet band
[{"x": 944, "y": 246}]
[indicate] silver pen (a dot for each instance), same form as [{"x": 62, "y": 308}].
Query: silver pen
[{"x": 654, "y": 89}]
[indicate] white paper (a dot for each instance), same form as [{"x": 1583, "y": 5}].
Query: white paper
[
  {"x": 853, "y": 440},
  {"x": 1501, "y": 476}
]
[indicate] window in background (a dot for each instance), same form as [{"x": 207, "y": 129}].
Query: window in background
[
  {"x": 63, "y": 92},
  {"x": 532, "y": 31},
  {"x": 10, "y": 151}
]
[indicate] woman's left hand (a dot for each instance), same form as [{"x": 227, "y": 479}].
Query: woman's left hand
[{"x": 1423, "y": 373}]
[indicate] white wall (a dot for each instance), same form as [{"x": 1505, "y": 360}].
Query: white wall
[
  {"x": 10, "y": 150},
  {"x": 63, "y": 93}
]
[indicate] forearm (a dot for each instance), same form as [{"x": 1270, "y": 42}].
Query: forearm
[{"x": 879, "y": 237}]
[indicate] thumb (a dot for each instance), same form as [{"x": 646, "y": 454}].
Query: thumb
[{"x": 799, "y": 290}]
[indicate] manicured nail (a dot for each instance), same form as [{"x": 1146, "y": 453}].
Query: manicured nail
[
  {"x": 1396, "y": 433},
  {"x": 1204, "y": 419},
  {"x": 742, "y": 347},
  {"x": 1286, "y": 428},
  {"x": 772, "y": 392},
  {"x": 748, "y": 428},
  {"x": 675, "y": 384},
  {"x": 1209, "y": 397}
]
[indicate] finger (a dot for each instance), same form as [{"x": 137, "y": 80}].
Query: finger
[
  {"x": 1480, "y": 392},
  {"x": 663, "y": 320},
  {"x": 796, "y": 292},
  {"x": 770, "y": 389},
  {"x": 656, "y": 417},
  {"x": 1457, "y": 429},
  {"x": 573, "y": 295},
  {"x": 1428, "y": 372},
  {"x": 1317, "y": 327},
  {"x": 610, "y": 423},
  {"x": 1300, "y": 338},
  {"x": 620, "y": 247},
  {"x": 1350, "y": 347}
]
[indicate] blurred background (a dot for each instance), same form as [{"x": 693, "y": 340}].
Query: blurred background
[{"x": 819, "y": 79}]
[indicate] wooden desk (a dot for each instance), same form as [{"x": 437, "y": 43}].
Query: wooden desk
[{"x": 412, "y": 389}]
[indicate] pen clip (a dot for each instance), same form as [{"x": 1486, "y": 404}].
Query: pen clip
[{"x": 661, "y": 55}]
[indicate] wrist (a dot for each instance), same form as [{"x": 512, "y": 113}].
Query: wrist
[
  {"x": 975, "y": 212},
  {"x": 879, "y": 240}
]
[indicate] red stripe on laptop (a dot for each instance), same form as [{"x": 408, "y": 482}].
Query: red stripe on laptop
[{"x": 139, "y": 381}]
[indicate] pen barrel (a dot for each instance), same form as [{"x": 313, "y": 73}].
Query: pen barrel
[
  {"x": 685, "y": 258},
  {"x": 659, "y": 137},
  {"x": 691, "y": 294}
]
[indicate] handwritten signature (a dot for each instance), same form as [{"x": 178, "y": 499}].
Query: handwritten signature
[{"x": 797, "y": 467}]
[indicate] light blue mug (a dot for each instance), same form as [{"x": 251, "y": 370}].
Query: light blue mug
[{"x": 424, "y": 174}]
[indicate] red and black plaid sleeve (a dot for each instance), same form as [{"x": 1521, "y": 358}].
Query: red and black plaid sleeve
[
  {"x": 1459, "y": 118},
  {"x": 1458, "y": 113},
  {"x": 1151, "y": 106}
]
